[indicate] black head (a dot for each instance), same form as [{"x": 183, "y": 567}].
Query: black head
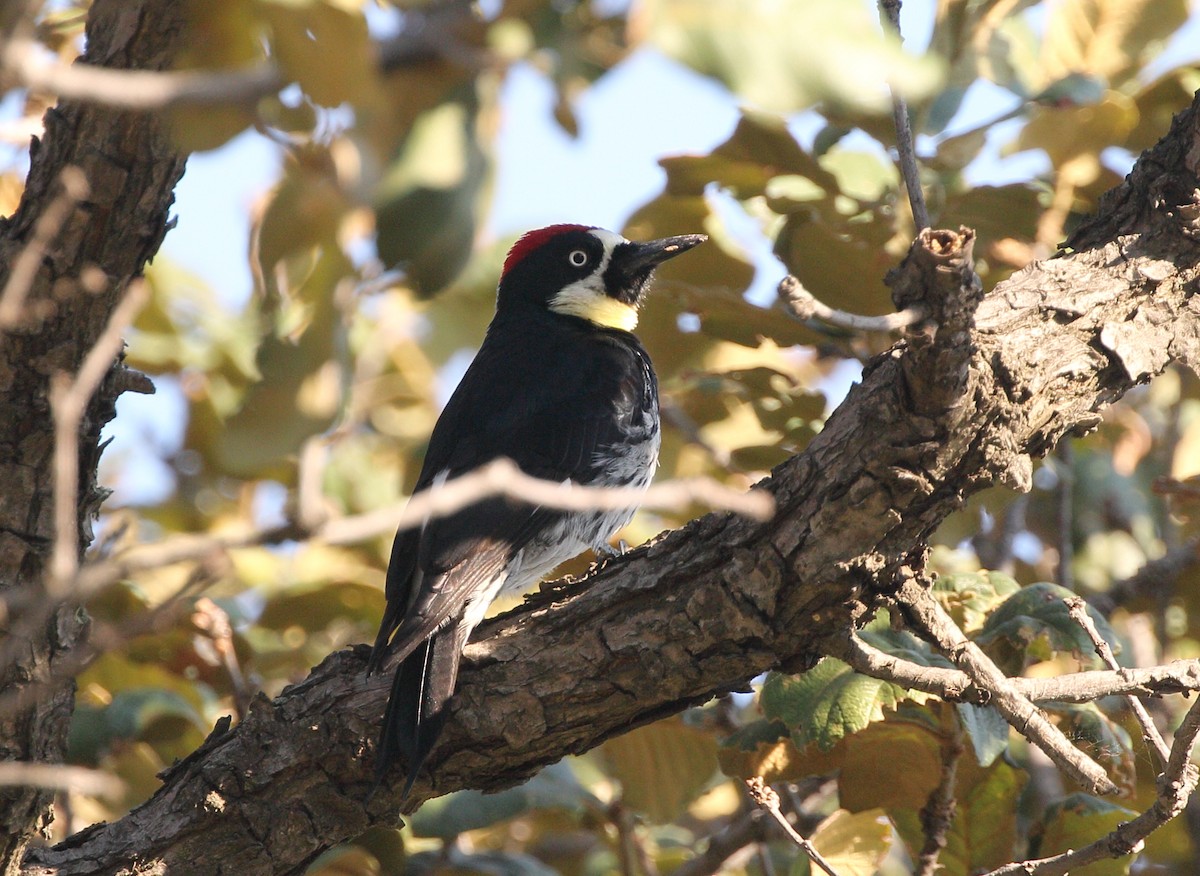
[{"x": 585, "y": 272}]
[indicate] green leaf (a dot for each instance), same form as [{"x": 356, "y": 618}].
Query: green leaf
[
  {"x": 300, "y": 391},
  {"x": 555, "y": 787},
  {"x": 1035, "y": 620},
  {"x": 426, "y": 205},
  {"x": 841, "y": 262},
  {"x": 827, "y": 703},
  {"x": 662, "y": 767},
  {"x": 969, "y": 597},
  {"x": 1102, "y": 738},
  {"x": 765, "y": 748},
  {"x": 1074, "y": 822},
  {"x": 987, "y": 730},
  {"x": 760, "y": 149},
  {"x": 324, "y": 46},
  {"x": 316, "y": 607}
]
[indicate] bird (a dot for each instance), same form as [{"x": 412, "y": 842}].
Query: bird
[{"x": 561, "y": 387}]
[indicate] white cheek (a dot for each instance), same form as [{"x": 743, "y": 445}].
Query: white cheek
[{"x": 582, "y": 291}]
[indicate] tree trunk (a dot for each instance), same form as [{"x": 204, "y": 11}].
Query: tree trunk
[
  {"x": 131, "y": 169},
  {"x": 703, "y": 610}
]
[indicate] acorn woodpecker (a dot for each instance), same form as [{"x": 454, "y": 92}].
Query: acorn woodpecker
[{"x": 561, "y": 387}]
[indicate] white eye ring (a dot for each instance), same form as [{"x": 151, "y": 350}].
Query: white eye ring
[{"x": 578, "y": 258}]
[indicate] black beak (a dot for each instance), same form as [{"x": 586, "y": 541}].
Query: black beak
[{"x": 639, "y": 258}]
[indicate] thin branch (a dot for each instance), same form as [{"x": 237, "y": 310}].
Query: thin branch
[
  {"x": 632, "y": 854},
  {"x": 801, "y": 305},
  {"x": 60, "y": 777},
  {"x": 1154, "y": 578},
  {"x": 136, "y": 89},
  {"x": 938, "y": 812},
  {"x": 1077, "y": 609},
  {"x": 102, "y": 638},
  {"x": 1175, "y": 786},
  {"x": 74, "y": 188},
  {"x": 498, "y": 478},
  {"x": 889, "y": 13},
  {"x": 768, "y": 800},
  {"x": 1064, "y": 458},
  {"x": 953, "y": 685},
  {"x": 68, "y": 401},
  {"x": 926, "y": 616},
  {"x": 748, "y": 829}
]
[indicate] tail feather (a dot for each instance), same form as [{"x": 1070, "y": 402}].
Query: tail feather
[{"x": 416, "y": 709}]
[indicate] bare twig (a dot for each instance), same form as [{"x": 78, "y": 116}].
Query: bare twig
[
  {"x": 633, "y": 856},
  {"x": 1065, "y": 468},
  {"x": 801, "y": 305},
  {"x": 745, "y": 831},
  {"x": 768, "y": 800},
  {"x": 1077, "y": 609},
  {"x": 60, "y": 777},
  {"x": 1175, "y": 786},
  {"x": 956, "y": 686},
  {"x": 498, "y": 478},
  {"x": 68, "y": 401},
  {"x": 136, "y": 89},
  {"x": 938, "y": 812},
  {"x": 889, "y": 13},
  {"x": 929, "y": 619},
  {"x": 29, "y": 261},
  {"x": 1155, "y": 577}
]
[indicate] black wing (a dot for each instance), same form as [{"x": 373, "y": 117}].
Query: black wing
[{"x": 548, "y": 399}]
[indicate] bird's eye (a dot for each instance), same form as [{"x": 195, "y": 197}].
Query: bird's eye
[{"x": 578, "y": 258}]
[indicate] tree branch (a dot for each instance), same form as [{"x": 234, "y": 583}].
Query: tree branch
[{"x": 706, "y": 608}]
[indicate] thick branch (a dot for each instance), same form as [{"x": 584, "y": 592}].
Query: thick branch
[{"x": 707, "y": 608}]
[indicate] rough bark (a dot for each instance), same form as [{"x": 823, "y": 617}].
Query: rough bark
[
  {"x": 131, "y": 169},
  {"x": 704, "y": 609}
]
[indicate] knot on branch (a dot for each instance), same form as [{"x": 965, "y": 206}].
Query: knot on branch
[
  {"x": 938, "y": 278},
  {"x": 938, "y": 275}
]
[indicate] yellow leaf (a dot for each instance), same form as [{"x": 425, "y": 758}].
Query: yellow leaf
[
  {"x": 662, "y": 766},
  {"x": 854, "y": 844}
]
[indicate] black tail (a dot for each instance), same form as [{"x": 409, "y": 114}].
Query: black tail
[{"x": 416, "y": 709}]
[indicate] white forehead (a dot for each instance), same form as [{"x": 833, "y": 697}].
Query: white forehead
[{"x": 609, "y": 239}]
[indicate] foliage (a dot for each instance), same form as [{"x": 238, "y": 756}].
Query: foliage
[{"x": 372, "y": 277}]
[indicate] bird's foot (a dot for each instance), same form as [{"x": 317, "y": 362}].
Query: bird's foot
[{"x": 605, "y": 551}]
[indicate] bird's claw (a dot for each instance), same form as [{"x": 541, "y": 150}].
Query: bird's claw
[{"x": 605, "y": 551}]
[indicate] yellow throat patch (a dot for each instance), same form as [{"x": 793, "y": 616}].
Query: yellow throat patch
[{"x": 596, "y": 308}]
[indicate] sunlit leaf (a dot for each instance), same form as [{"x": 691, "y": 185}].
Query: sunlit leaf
[
  {"x": 893, "y": 764},
  {"x": 324, "y": 46},
  {"x": 1035, "y": 618},
  {"x": 854, "y": 844},
  {"x": 1110, "y": 38},
  {"x": 751, "y": 48},
  {"x": 984, "y": 830},
  {"x": 970, "y": 597},
  {"x": 828, "y": 702},
  {"x": 765, "y": 748}
]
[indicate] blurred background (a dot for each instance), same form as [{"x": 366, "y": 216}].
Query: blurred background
[{"x": 334, "y": 268}]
